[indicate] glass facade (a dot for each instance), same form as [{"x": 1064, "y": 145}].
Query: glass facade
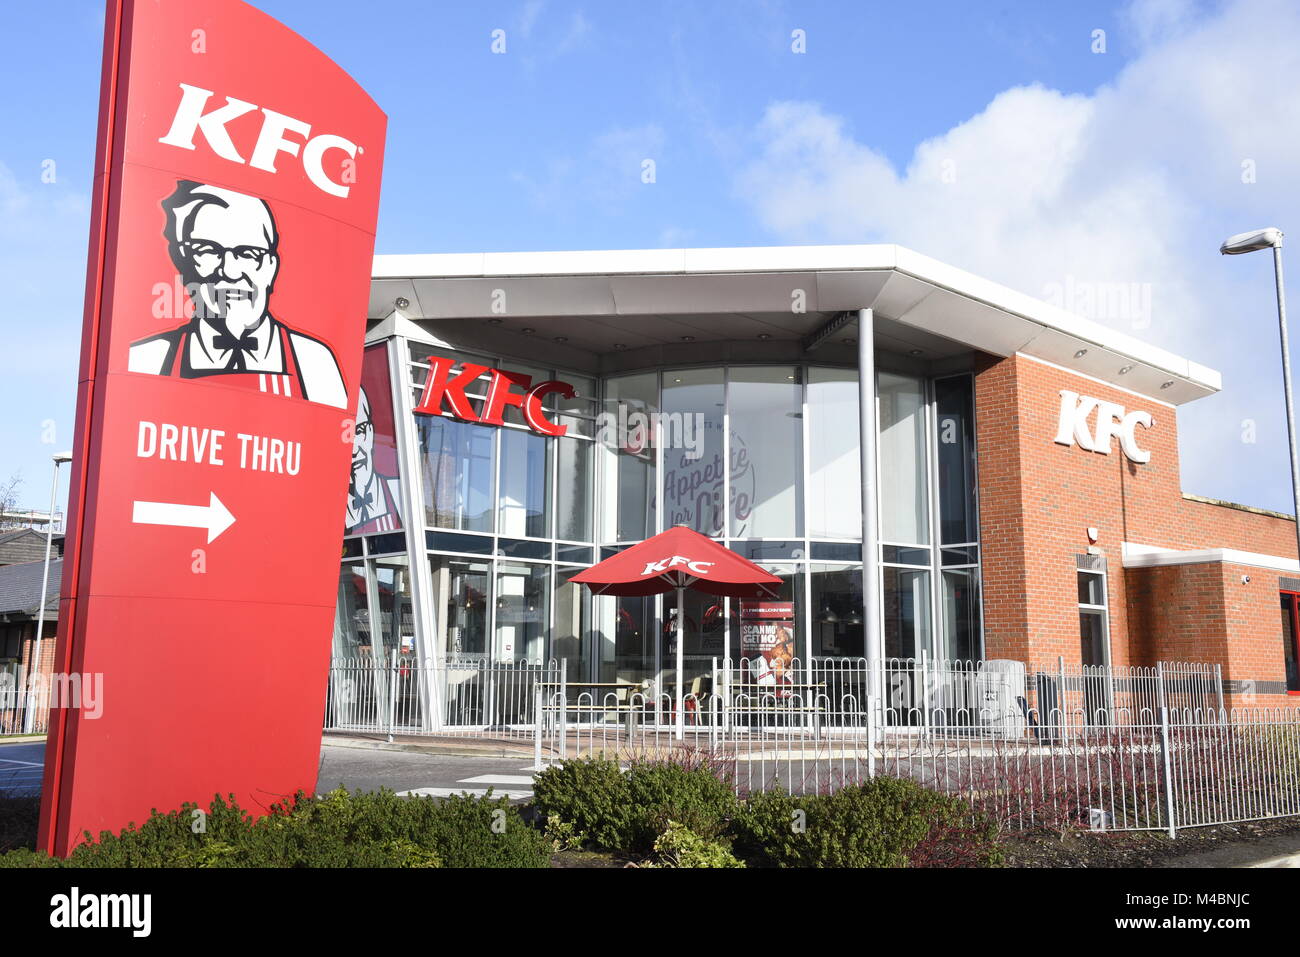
[{"x": 763, "y": 458}]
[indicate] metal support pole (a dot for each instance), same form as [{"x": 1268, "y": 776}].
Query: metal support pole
[
  {"x": 537, "y": 727},
  {"x": 1286, "y": 388},
  {"x": 681, "y": 643},
  {"x": 1160, "y": 685},
  {"x": 1218, "y": 692},
  {"x": 1169, "y": 778},
  {"x": 392, "y": 694},
  {"x": 867, "y": 467},
  {"x": 34, "y": 666}
]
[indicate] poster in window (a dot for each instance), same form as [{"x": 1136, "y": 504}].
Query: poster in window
[{"x": 374, "y": 494}]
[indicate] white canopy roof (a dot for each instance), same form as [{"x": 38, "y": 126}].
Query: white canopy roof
[{"x": 731, "y": 293}]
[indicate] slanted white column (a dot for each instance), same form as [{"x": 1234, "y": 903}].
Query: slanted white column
[{"x": 870, "y": 530}]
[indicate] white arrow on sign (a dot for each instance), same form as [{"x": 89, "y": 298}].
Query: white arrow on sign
[{"x": 214, "y": 516}]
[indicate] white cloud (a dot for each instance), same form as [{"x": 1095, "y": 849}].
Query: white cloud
[{"x": 1136, "y": 183}]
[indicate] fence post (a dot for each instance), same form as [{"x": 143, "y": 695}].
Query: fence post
[
  {"x": 925, "y": 693},
  {"x": 562, "y": 715},
  {"x": 1168, "y": 775},
  {"x": 1060, "y": 694},
  {"x": 872, "y": 703},
  {"x": 1218, "y": 692},
  {"x": 1161, "y": 703},
  {"x": 537, "y": 727},
  {"x": 392, "y": 694}
]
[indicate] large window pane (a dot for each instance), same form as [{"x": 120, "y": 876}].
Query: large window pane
[
  {"x": 837, "y": 611},
  {"x": 904, "y": 512},
  {"x": 393, "y": 597},
  {"x": 765, "y": 405},
  {"x": 462, "y": 588},
  {"x": 522, "y": 607},
  {"x": 906, "y": 598},
  {"x": 523, "y": 499},
  {"x": 574, "y": 481},
  {"x": 955, "y": 459},
  {"x": 834, "y": 466},
  {"x": 352, "y": 614},
  {"x": 573, "y": 639},
  {"x": 629, "y": 494},
  {"x": 1289, "y": 641},
  {"x": 961, "y": 614},
  {"x": 692, "y": 444},
  {"x": 457, "y": 461},
  {"x": 705, "y": 629}
]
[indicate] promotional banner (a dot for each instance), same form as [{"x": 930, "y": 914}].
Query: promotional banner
[
  {"x": 767, "y": 642},
  {"x": 374, "y": 489},
  {"x": 236, "y": 193}
]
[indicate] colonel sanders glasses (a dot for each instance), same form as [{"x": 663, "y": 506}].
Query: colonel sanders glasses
[{"x": 208, "y": 256}]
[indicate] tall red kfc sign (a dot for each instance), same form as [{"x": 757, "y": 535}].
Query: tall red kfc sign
[{"x": 236, "y": 193}]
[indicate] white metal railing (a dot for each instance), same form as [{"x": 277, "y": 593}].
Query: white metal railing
[
  {"x": 1125, "y": 749},
  {"x": 402, "y": 695},
  {"x": 24, "y": 705}
]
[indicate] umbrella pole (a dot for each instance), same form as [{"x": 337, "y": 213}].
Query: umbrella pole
[{"x": 681, "y": 642}]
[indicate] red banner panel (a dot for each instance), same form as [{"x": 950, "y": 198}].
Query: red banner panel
[{"x": 236, "y": 194}]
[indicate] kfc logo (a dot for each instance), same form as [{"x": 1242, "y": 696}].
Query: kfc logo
[
  {"x": 661, "y": 566},
  {"x": 271, "y": 142},
  {"x": 444, "y": 393},
  {"x": 225, "y": 246},
  {"x": 1112, "y": 422},
  {"x": 372, "y": 498}
]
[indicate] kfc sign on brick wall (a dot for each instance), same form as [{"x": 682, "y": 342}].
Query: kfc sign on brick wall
[
  {"x": 1092, "y": 424},
  {"x": 445, "y": 394}
]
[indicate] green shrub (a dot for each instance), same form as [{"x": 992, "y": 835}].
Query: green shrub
[
  {"x": 589, "y": 794},
  {"x": 885, "y": 822},
  {"x": 337, "y": 830},
  {"x": 665, "y": 791},
  {"x": 679, "y": 846},
  {"x": 627, "y": 811}
]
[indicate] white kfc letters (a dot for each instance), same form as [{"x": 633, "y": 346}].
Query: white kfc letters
[
  {"x": 1112, "y": 422},
  {"x": 696, "y": 567},
  {"x": 271, "y": 141}
]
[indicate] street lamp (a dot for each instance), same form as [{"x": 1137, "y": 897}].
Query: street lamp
[
  {"x": 1271, "y": 237},
  {"x": 34, "y": 667}
]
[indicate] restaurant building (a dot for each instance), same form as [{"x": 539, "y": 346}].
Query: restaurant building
[{"x": 1003, "y": 483}]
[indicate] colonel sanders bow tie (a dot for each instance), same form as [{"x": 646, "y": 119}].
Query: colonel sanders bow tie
[
  {"x": 238, "y": 348},
  {"x": 361, "y": 504}
]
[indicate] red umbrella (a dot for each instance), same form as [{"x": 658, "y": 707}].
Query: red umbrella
[{"x": 677, "y": 559}]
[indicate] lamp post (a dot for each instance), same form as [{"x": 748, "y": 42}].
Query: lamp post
[
  {"x": 1271, "y": 238},
  {"x": 34, "y": 666}
]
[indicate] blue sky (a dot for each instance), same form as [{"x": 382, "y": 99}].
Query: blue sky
[{"x": 1095, "y": 167}]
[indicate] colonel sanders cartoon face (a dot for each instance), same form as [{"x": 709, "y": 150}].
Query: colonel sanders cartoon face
[
  {"x": 363, "y": 445},
  {"x": 224, "y": 245}
]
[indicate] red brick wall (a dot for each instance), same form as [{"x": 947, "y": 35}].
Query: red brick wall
[{"x": 1038, "y": 499}]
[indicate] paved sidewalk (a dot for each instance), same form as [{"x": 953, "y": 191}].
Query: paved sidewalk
[
  {"x": 430, "y": 744},
  {"x": 1270, "y": 852}
]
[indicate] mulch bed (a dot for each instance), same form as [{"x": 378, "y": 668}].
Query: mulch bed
[{"x": 1137, "y": 849}]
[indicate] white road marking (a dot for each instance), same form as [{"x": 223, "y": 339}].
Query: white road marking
[
  {"x": 526, "y": 780},
  {"x": 452, "y": 792}
]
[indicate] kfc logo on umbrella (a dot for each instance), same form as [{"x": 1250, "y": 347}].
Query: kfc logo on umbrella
[
  {"x": 661, "y": 566},
  {"x": 225, "y": 246}
]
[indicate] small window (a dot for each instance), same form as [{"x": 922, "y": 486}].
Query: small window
[
  {"x": 1290, "y": 634},
  {"x": 1094, "y": 639}
]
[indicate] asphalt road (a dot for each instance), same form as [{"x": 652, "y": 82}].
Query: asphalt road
[{"x": 21, "y": 766}]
